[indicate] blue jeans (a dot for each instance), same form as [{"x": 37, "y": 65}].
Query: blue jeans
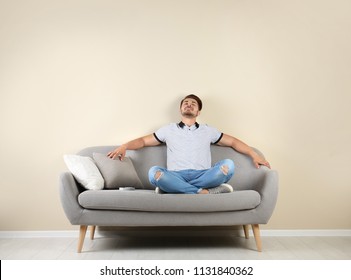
[{"x": 190, "y": 180}]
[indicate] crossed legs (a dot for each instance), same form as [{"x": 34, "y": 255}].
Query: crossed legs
[{"x": 191, "y": 181}]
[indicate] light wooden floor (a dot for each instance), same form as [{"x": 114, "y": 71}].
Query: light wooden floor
[{"x": 192, "y": 246}]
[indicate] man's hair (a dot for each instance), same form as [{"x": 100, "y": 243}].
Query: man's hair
[{"x": 193, "y": 96}]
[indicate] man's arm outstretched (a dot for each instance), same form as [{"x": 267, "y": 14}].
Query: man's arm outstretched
[
  {"x": 243, "y": 148},
  {"x": 145, "y": 141}
]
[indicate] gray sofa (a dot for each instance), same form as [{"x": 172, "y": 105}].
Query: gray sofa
[{"x": 252, "y": 202}]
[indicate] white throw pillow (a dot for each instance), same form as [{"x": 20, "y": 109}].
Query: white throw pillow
[{"x": 85, "y": 171}]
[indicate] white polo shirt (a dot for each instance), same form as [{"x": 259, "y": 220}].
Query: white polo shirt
[{"x": 188, "y": 147}]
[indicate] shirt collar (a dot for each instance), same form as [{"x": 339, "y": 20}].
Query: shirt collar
[{"x": 182, "y": 125}]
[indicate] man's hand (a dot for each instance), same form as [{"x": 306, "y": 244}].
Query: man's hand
[
  {"x": 118, "y": 152},
  {"x": 258, "y": 161}
]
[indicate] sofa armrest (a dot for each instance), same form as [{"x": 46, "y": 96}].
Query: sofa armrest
[
  {"x": 69, "y": 191},
  {"x": 269, "y": 194}
]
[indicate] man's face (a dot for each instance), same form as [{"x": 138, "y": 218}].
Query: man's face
[{"x": 189, "y": 108}]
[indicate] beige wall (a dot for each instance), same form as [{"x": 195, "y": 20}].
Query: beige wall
[{"x": 274, "y": 73}]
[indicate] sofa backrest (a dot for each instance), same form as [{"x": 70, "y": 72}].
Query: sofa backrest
[{"x": 246, "y": 176}]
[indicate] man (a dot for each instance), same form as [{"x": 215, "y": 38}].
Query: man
[{"x": 188, "y": 143}]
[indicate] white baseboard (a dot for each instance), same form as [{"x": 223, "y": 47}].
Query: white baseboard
[
  {"x": 308, "y": 232},
  {"x": 38, "y": 234},
  {"x": 268, "y": 233}
]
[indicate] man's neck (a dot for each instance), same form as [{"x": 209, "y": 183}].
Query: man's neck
[{"x": 189, "y": 122}]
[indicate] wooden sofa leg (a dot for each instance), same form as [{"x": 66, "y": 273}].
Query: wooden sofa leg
[
  {"x": 82, "y": 232},
  {"x": 256, "y": 232},
  {"x": 92, "y": 232},
  {"x": 246, "y": 231}
]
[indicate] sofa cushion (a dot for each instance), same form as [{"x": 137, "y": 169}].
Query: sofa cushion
[
  {"x": 148, "y": 200},
  {"x": 84, "y": 171},
  {"x": 117, "y": 173}
]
